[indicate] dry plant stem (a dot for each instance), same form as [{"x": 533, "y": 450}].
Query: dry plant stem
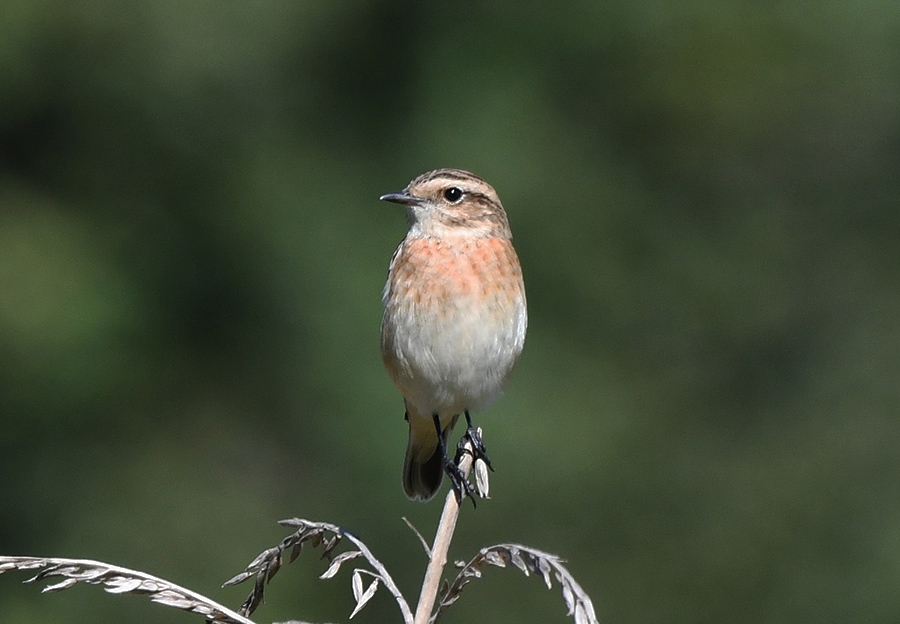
[
  {"x": 439, "y": 549},
  {"x": 119, "y": 580}
]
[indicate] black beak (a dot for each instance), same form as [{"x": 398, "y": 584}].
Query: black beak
[{"x": 403, "y": 197}]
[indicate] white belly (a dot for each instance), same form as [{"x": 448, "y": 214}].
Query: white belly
[{"x": 457, "y": 359}]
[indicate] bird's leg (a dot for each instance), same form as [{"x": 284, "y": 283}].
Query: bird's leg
[
  {"x": 459, "y": 483},
  {"x": 478, "y": 450}
]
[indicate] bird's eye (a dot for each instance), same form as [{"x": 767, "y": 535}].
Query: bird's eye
[{"x": 453, "y": 194}]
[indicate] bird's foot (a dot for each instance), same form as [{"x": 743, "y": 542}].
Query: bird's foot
[
  {"x": 458, "y": 481},
  {"x": 475, "y": 445}
]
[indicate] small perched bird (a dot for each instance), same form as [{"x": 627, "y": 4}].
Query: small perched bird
[{"x": 454, "y": 318}]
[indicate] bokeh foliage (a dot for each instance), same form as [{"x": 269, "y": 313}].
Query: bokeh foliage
[{"x": 704, "y": 196}]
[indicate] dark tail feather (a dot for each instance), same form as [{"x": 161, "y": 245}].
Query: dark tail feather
[{"x": 422, "y": 479}]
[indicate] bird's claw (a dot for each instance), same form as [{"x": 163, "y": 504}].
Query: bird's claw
[
  {"x": 475, "y": 447},
  {"x": 459, "y": 482}
]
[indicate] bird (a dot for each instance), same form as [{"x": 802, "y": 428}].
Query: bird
[{"x": 455, "y": 318}]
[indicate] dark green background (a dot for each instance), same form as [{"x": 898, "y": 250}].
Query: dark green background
[{"x": 704, "y": 197}]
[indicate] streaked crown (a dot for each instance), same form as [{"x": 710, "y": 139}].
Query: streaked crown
[{"x": 447, "y": 201}]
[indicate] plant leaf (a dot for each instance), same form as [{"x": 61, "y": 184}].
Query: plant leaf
[
  {"x": 482, "y": 484},
  {"x": 362, "y": 599},
  {"x": 337, "y": 561}
]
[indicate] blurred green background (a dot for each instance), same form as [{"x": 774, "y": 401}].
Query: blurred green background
[{"x": 704, "y": 197}]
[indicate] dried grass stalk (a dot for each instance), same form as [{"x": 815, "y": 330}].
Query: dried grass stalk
[
  {"x": 268, "y": 562},
  {"x": 528, "y": 560},
  {"x": 442, "y": 538},
  {"x": 118, "y": 580}
]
